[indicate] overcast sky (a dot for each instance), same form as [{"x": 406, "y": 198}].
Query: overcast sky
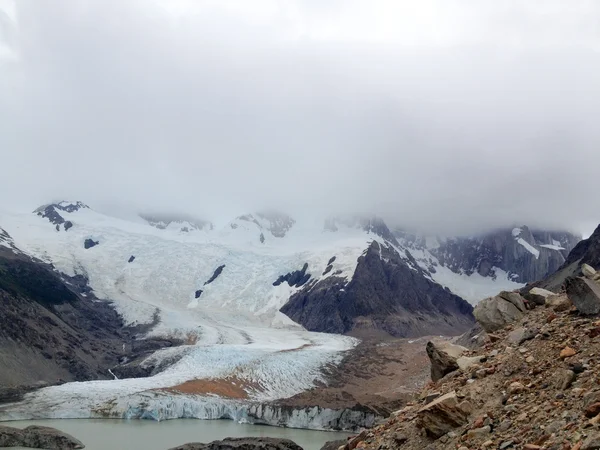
[{"x": 441, "y": 114}]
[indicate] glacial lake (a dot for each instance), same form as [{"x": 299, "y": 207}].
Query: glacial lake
[{"x": 117, "y": 434}]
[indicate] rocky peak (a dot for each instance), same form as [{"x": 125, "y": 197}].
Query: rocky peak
[
  {"x": 51, "y": 212},
  {"x": 526, "y": 255},
  {"x": 7, "y": 241},
  {"x": 387, "y": 292}
]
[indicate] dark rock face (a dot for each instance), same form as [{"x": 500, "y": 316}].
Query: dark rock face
[
  {"x": 7, "y": 240},
  {"x": 50, "y": 333},
  {"x": 89, "y": 243},
  {"x": 296, "y": 278},
  {"x": 198, "y": 293},
  {"x": 243, "y": 444},
  {"x": 131, "y": 259},
  {"x": 584, "y": 293},
  {"x": 387, "y": 293},
  {"x": 441, "y": 362},
  {"x": 51, "y": 212},
  {"x": 38, "y": 437},
  {"x": 214, "y": 276},
  {"x": 505, "y": 249},
  {"x": 585, "y": 252}
]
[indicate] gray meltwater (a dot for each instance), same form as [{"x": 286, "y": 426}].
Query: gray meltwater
[{"x": 117, "y": 434}]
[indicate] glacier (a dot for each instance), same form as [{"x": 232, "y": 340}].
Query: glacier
[{"x": 232, "y": 324}]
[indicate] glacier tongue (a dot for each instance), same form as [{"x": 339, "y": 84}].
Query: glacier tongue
[
  {"x": 233, "y": 328},
  {"x": 163, "y": 406}
]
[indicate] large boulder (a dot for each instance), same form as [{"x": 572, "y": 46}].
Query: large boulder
[
  {"x": 514, "y": 298},
  {"x": 495, "y": 312},
  {"x": 260, "y": 443},
  {"x": 443, "y": 358},
  {"x": 584, "y": 293},
  {"x": 589, "y": 272},
  {"x": 38, "y": 437},
  {"x": 538, "y": 296},
  {"x": 443, "y": 415}
]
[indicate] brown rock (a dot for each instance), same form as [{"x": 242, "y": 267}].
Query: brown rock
[
  {"x": 559, "y": 303},
  {"x": 594, "y": 332},
  {"x": 443, "y": 358},
  {"x": 515, "y": 388},
  {"x": 442, "y": 415},
  {"x": 478, "y": 423},
  {"x": 567, "y": 352},
  {"x": 592, "y": 410}
]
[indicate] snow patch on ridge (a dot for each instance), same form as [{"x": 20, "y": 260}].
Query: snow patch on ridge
[
  {"x": 530, "y": 248},
  {"x": 553, "y": 247}
]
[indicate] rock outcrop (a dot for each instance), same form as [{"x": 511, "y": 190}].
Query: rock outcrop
[
  {"x": 89, "y": 243},
  {"x": 495, "y": 312},
  {"x": 443, "y": 415},
  {"x": 215, "y": 274},
  {"x": 584, "y": 293},
  {"x": 443, "y": 358},
  {"x": 243, "y": 444},
  {"x": 387, "y": 293},
  {"x": 297, "y": 278},
  {"x": 535, "y": 394},
  {"x": 534, "y": 386},
  {"x": 38, "y": 437},
  {"x": 528, "y": 255},
  {"x": 585, "y": 252}
]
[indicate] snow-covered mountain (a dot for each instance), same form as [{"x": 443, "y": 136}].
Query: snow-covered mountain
[
  {"x": 516, "y": 254},
  {"x": 242, "y": 296}
]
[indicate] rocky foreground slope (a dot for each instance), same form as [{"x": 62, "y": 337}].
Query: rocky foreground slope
[{"x": 531, "y": 384}]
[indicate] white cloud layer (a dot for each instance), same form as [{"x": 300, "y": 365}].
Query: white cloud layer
[{"x": 450, "y": 115}]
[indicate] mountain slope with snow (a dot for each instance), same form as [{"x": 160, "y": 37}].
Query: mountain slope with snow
[
  {"x": 221, "y": 291},
  {"x": 507, "y": 258}
]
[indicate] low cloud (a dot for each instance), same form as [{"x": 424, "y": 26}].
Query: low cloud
[{"x": 439, "y": 115}]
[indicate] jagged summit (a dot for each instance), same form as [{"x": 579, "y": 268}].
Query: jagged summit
[
  {"x": 525, "y": 254},
  {"x": 7, "y": 241},
  {"x": 51, "y": 212}
]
